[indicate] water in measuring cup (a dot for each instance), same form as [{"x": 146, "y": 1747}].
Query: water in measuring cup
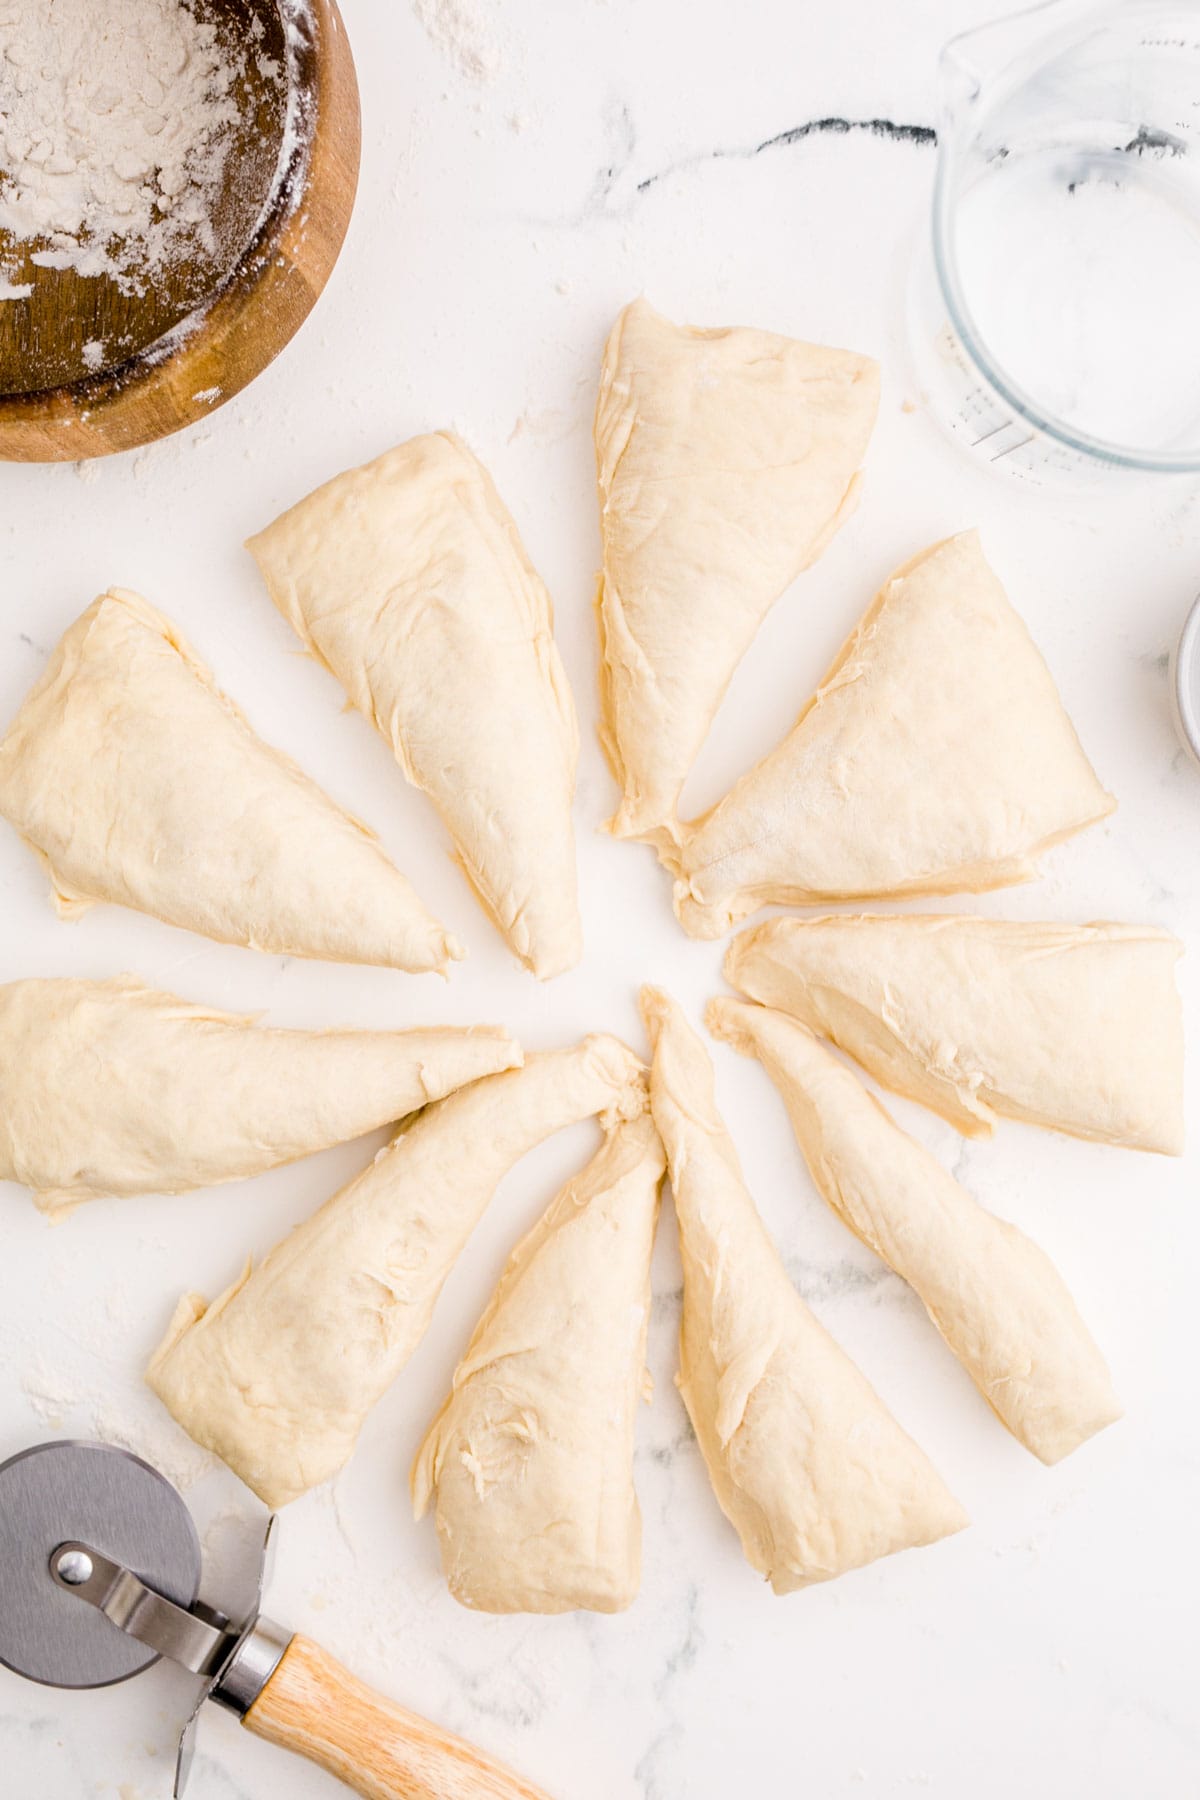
[{"x": 1081, "y": 272}]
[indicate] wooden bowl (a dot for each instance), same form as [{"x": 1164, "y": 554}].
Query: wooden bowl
[{"x": 202, "y": 330}]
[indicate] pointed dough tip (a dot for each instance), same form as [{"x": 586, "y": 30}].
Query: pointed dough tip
[
  {"x": 189, "y": 1310},
  {"x": 747, "y": 1022},
  {"x": 656, "y": 1007},
  {"x": 55, "y": 1204},
  {"x": 631, "y": 1103},
  {"x": 731, "y": 1021},
  {"x": 549, "y": 968},
  {"x": 737, "y": 953},
  {"x": 944, "y": 1517},
  {"x": 701, "y": 921},
  {"x": 640, "y": 823},
  {"x": 626, "y": 1074},
  {"x": 451, "y": 952}
]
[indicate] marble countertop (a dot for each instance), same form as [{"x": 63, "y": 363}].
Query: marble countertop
[{"x": 523, "y": 176}]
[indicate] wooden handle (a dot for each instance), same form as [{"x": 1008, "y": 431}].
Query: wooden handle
[{"x": 315, "y": 1707}]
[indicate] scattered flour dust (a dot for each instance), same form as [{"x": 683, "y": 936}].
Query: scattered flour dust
[
  {"x": 232, "y": 1521},
  {"x": 463, "y": 32},
  {"x": 51, "y": 1397},
  {"x": 116, "y": 119},
  {"x": 139, "y": 1425}
]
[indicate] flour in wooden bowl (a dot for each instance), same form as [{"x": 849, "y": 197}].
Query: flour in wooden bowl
[{"x": 116, "y": 122}]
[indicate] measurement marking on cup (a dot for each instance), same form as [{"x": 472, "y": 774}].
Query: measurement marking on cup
[
  {"x": 1020, "y": 445},
  {"x": 1003, "y": 426}
]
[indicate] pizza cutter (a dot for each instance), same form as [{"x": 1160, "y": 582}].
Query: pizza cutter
[{"x": 99, "y": 1576}]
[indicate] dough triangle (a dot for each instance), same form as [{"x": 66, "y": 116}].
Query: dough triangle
[
  {"x": 807, "y": 1463},
  {"x": 529, "y": 1463},
  {"x": 137, "y": 781},
  {"x": 998, "y": 1301},
  {"x": 1074, "y": 1027},
  {"x": 934, "y": 758},
  {"x": 113, "y": 1088},
  {"x": 727, "y": 460},
  {"x": 408, "y": 580},
  {"x": 279, "y": 1373}
]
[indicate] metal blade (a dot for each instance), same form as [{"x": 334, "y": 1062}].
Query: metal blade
[
  {"x": 262, "y": 1663},
  {"x": 70, "y": 1491}
]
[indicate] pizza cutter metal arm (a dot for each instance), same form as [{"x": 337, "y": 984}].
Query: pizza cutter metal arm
[{"x": 288, "y": 1690}]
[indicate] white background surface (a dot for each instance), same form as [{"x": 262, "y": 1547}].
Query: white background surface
[{"x": 500, "y": 225}]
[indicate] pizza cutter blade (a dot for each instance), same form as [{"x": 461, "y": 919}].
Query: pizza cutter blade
[
  {"x": 99, "y": 1574},
  {"x": 67, "y": 1492}
]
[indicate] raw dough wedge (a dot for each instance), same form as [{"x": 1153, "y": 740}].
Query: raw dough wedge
[
  {"x": 529, "y": 1463},
  {"x": 137, "y": 781},
  {"x": 408, "y": 580},
  {"x": 279, "y": 1373},
  {"x": 807, "y": 1463},
  {"x": 110, "y": 1087},
  {"x": 998, "y": 1301},
  {"x": 935, "y": 758},
  {"x": 726, "y": 462},
  {"x": 1074, "y": 1027}
]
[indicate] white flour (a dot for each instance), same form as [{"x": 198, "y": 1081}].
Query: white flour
[
  {"x": 136, "y": 1423},
  {"x": 115, "y": 123},
  {"x": 462, "y": 31},
  {"x": 52, "y": 1398}
]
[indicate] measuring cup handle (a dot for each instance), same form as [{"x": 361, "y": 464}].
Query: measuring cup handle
[
  {"x": 314, "y": 1706},
  {"x": 972, "y": 58}
]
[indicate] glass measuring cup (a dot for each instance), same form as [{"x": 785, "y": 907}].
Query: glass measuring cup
[{"x": 1056, "y": 326}]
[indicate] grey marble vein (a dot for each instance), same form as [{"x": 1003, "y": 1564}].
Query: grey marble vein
[
  {"x": 832, "y": 126},
  {"x": 663, "y": 1455},
  {"x": 836, "y": 1281},
  {"x": 649, "y": 1772},
  {"x": 212, "y": 1780},
  {"x": 506, "y": 1691},
  {"x": 665, "y": 1306},
  {"x": 615, "y": 188},
  {"x": 622, "y": 138}
]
